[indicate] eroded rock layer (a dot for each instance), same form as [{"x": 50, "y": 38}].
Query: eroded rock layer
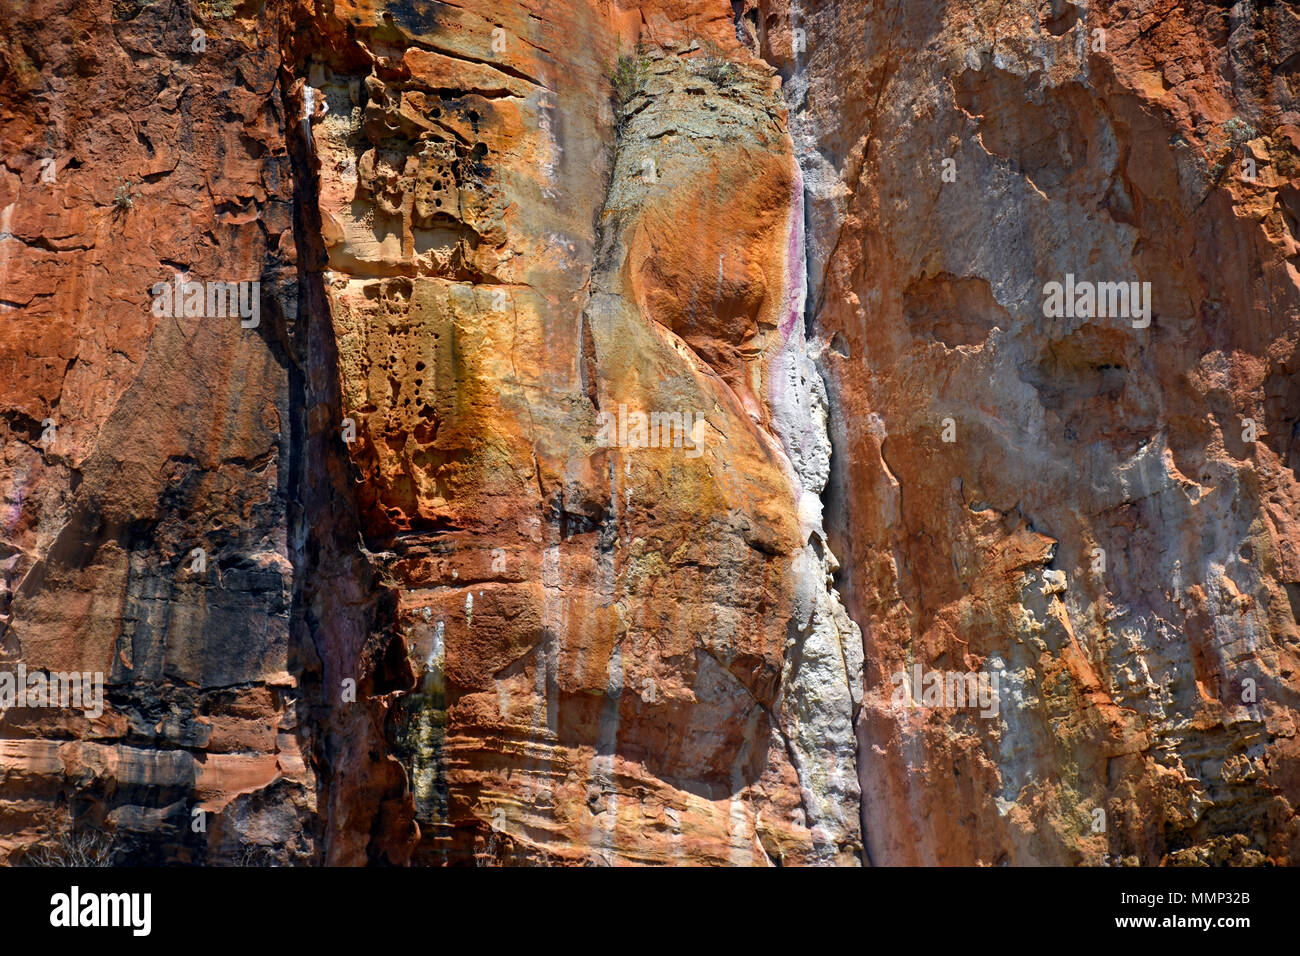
[{"x": 634, "y": 392}]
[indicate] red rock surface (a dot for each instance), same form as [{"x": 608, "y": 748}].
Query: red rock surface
[
  {"x": 442, "y": 621},
  {"x": 1113, "y": 161}
]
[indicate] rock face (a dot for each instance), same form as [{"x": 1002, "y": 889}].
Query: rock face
[
  {"x": 1102, "y": 512},
  {"x": 131, "y": 440},
  {"x": 621, "y": 653},
  {"x": 629, "y": 409}
]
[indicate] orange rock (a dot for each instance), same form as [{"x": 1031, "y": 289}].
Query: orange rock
[{"x": 639, "y": 396}]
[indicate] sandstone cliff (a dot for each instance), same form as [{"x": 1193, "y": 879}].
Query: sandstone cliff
[{"x": 633, "y": 398}]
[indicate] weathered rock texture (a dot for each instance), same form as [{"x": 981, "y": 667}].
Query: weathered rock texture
[
  {"x": 444, "y": 620},
  {"x": 1113, "y": 156},
  {"x": 171, "y": 434},
  {"x": 622, "y": 654}
]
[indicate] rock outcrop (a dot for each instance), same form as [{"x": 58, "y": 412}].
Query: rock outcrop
[
  {"x": 1102, "y": 512},
  {"x": 571, "y": 432}
]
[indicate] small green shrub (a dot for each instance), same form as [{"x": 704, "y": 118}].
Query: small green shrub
[
  {"x": 123, "y": 198},
  {"x": 628, "y": 77},
  {"x": 1239, "y": 131},
  {"x": 721, "y": 73}
]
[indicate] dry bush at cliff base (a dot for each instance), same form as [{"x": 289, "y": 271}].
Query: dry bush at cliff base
[{"x": 75, "y": 848}]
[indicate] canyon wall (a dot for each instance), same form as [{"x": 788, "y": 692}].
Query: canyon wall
[
  {"x": 625, "y": 402},
  {"x": 1070, "y": 502}
]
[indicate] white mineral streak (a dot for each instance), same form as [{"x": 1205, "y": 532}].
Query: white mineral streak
[{"x": 821, "y": 685}]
